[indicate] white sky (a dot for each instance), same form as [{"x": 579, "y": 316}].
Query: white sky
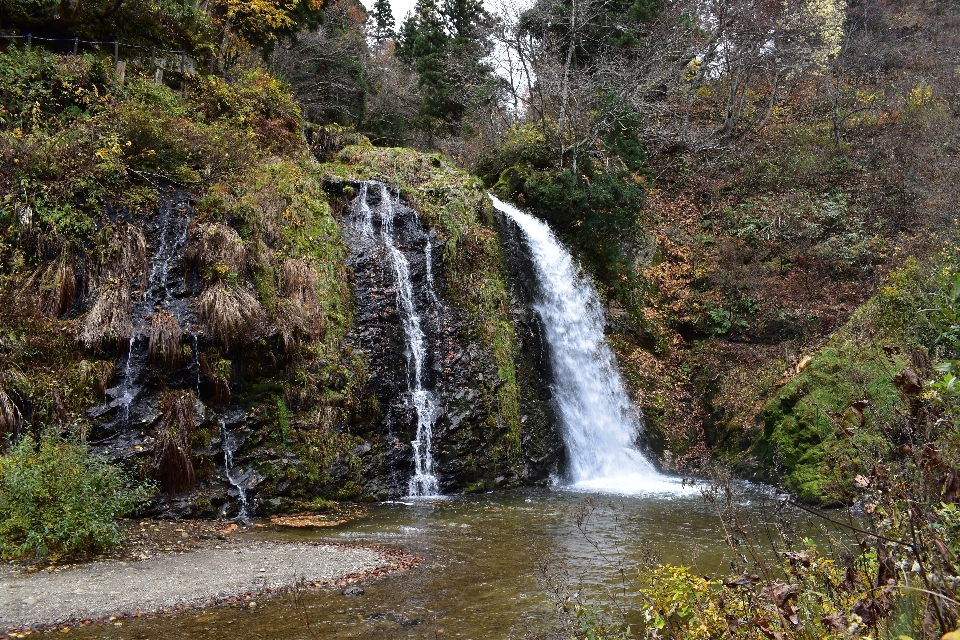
[{"x": 400, "y": 8}]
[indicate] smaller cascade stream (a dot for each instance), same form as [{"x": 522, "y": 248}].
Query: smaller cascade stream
[
  {"x": 424, "y": 482},
  {"x": 599, "y": 423},
  {"x": 428, "y": 256},
  {"x": 172, "y": 225},
  {"x": 229, "y": 446},
  {"x": 126, "y": 393}
]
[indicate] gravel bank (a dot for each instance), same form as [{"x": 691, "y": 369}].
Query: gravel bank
[{"x": 168, "y": 582}]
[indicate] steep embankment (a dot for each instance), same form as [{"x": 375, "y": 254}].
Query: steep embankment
[{"x": 177, "y": 292}]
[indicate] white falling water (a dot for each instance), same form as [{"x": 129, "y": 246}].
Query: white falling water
[
  {"x": 166, "y": 251},
  {"x": 196, "y": 360},
  {"x": 428, "y": 257},
  {"x": 599, "y": 423},
  {"x": 126, "y": 392},
  {"x": 229, "y": 445},
  {"x": 366, "y": 220},
  {"x": 423, "y": 483}
]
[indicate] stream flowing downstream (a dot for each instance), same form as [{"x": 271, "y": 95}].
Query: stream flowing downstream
[{"x": 480, "y": 555}]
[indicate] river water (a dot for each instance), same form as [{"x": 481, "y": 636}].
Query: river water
[{"x": 479, "y": 576}]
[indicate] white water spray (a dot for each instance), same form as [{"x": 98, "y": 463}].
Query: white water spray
[
  {"x": 366, "y": 213},
  {"x": 599, "y": 423},
  {"x": 423, "y": 483}
]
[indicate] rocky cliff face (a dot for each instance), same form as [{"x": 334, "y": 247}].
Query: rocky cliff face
[
  {"x": 460, "y": 370},
  {"x": 369, "y": 453}
]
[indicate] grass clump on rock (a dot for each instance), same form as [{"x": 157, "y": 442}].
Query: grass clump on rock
[{"x": 57, "y": 499}]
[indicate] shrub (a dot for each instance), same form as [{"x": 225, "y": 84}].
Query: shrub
[
  {"x": 110, "y": 321},
  {"x": 58, "y": 499}
]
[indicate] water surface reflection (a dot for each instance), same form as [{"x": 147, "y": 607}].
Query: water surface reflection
[{"x": 478, "y": 578}]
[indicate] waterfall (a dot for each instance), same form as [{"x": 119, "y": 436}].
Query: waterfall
[
  {"x": 423, "y": 482},
  {"x": 195, "y": 365},
  {"x": 600, "y": 424},
  {"x": 366, "y": 220},
  {"x": 228, "y": 448},
  {"x": 170, "y": 231}
]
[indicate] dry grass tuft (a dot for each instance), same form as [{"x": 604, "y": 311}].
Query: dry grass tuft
[
  {"x": 110, "y": 321},
  {"x": 98, "y": 372},
  {"x": 165, "y": 338},
  {"x": 299, "y": 312},
  {"x": 291, "y": 322},
  {"x": 300, "y": 283},
  {"x": 229, "y": 314},
  {"x": 220, "y": 250},
  {"x": 12, "y": 394},
  {"x": 62, "y": 287},
  {"x": 172, "y": 459},
  {"x": 10, "y": 417},
  {"x": 123, "y": 254}
]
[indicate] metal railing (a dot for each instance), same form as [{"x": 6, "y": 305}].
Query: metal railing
[{"x": 158, "y": 59}]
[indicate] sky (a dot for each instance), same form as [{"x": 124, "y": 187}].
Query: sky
[{"x": 400, "y": 8}]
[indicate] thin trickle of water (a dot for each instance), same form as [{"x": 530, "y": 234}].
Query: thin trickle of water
[
  {"x": 196, "y": 360},
  {"x": 428, "y": 257},
  {"x": 423, "y": 482},
  {"x": 366, "y": 213},
  {"x": 126, "y": 393},
  {"x": 600, "y": 424},
  {"x": 229, "y": 447},
  {"x": 156, "y": 295},
  {"x": 161, "y": 260}
]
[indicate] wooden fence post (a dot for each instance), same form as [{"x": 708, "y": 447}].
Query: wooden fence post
[
  {"x": 29, "y": 40},
  {"x": 153, "y": 55},
  {"x": 158, "y": 76},
  {"x": 121, "y": 70},
  {"x": 76, "y": 41},
  {"x": 116, "y": 52}
]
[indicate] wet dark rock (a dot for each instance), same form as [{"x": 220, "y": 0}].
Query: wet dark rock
[
  {"x": 353, "y": 591},
  {"x": 461, "y": 373}
]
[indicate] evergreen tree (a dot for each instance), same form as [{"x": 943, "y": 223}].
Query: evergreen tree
[
  {"x": 446, "y": 47},
  {"x": 383, "y": 22},
  {"x": 464, "y": 19},
  {"x": 426, "y": 46},
  {"x": 406, "y": 37}
]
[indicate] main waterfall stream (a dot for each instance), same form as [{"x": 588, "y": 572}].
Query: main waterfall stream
[{"x": 598, "y": 421}]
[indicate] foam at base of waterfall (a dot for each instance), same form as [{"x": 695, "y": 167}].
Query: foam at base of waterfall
[{"x": 633, "y": 484}]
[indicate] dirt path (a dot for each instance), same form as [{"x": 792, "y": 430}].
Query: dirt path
[{"x": 172, "y": 581}]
